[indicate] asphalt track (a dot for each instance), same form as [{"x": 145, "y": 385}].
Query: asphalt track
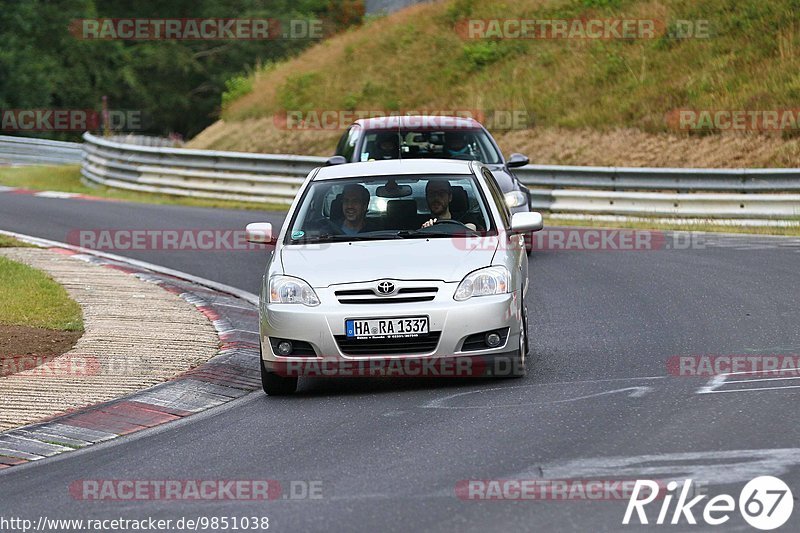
[{"x": 598, "y": 402}]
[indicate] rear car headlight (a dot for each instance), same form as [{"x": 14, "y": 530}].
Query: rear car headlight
[
  {"x": 515, "y": 199},
  {"x": 289, "y": 290},
  {"x": 483, "y": 282}
]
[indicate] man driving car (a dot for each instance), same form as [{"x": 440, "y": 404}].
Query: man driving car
[{"x": 439, "y": 194}]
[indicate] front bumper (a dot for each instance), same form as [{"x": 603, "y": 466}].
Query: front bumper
[{"x": 455, "y": 321}]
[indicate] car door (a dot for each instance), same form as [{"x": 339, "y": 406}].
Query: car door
[{"x": 513, "y": 246}]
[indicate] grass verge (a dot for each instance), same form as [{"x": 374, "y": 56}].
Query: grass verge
[
  {"x": 11, "y": 242},
  {"x": 67, "y": 178},
  {"x": 655, "y": 225},
  {"x": 31, "y": 298}
]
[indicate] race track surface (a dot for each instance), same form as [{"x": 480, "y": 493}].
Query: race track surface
[{"x": 599, "y": 402}]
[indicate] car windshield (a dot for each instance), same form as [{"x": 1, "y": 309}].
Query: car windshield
[
  {"x": 390, "y": 207},
  {"x": 470, "y": 145}
]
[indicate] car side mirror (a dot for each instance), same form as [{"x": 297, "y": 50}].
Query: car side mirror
[
  {"x": 526, "y": 221},
  {"x": 335, "y": 160},
  {"x": 259, "y": 232},
  {"x": 517, "y": 160}
]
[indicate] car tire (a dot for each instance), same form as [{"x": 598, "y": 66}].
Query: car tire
[
  {"x": 518, "y": 369},
  {"x": 525, "y": 323},
  {"x": 275, "y": 385}
]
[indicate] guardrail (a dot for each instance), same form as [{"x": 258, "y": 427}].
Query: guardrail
[
  {"x": 196, "y": 173},
  {"x": 707, "y": 193},
  {"x": 30, "y": 151}
]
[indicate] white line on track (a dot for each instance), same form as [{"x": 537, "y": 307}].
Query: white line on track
[{"x": 635, "y": 392}]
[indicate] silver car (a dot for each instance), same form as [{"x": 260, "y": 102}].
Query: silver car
[{"x": 395, "y": 268}]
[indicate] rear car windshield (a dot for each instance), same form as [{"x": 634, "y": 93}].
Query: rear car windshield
[
  {"x": 470, "y": 145},
  {"x": 390, "y": 207}
]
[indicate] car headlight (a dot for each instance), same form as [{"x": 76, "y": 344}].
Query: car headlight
[
  {"x": 483, "y": 282},
  {"x": 289, "y": 290},
  {"x": 515, "y": 199}
]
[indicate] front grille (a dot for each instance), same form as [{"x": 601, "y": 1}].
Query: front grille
[
  {"x": 404, "y": 295},
  {"x": 422, "y": 344}
]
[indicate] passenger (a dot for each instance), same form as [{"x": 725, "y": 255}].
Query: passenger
[{"x": 355, "y": 200}]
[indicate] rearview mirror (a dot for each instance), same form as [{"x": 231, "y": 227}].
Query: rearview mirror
[
  {"x": 393, "y": 190},
  {"x": 259, "y": 232},
  {"x": 517, "y": 160},
  {"x": 335, "y": 160},
  {"x": 525, "y": 222}
]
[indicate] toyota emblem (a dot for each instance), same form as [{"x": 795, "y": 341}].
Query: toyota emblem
[{"x": 385, "y": 288}]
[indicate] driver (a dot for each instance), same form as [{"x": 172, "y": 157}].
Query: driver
[
  {"x": 387, "y": 146},
  {"x": 439, "y": 194}
]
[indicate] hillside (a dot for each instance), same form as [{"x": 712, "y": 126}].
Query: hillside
[{"x": 589, "y": 101}]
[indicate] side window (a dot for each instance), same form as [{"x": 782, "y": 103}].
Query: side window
[
  {"x": 343, "y": 141},
  {"x": 350, "y": 143},
  {"x": 499, "y": 199}
]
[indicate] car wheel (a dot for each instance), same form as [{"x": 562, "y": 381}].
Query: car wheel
[
  {"x": 518, "y": 369},
  {"x": 275, "y": 385},
  {"x": 525, "y": 323}
]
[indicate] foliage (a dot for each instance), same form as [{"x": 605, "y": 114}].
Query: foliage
[{"x": 177, "y": 86}]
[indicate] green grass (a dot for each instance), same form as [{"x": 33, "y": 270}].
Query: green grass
[
  {"x": 415, "y": 59},
  {"x": 28, "y": 297},
  {"x": 11, "y": 242},
  {"x": 654, "y": 225},
  {"x": 67, "y": 178}
]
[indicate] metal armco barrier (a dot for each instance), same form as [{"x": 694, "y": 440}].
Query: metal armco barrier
[
  {"x": 196, "y": 173},
  {"x": 712, "y": 193},
  {"x": 30, "y": 151}
]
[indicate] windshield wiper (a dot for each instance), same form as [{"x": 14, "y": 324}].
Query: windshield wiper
[
  {"x": 420, "y": 234},
  {"x": 330, "y": 237}
]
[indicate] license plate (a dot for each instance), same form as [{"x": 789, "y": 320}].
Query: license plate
[{"x": 389, "y": 328}]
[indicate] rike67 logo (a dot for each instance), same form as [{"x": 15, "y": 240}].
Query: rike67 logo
[{"x": 765, "y": 503}]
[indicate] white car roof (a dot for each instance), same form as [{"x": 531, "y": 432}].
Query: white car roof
[{"x": 394, "y": 167}]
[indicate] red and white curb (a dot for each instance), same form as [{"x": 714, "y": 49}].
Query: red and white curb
[
  {"x": 232, "y": 373},
  {"x": 53, "y": 194}
]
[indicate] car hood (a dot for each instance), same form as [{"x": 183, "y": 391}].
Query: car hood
[{"x": 449, "y": 260}]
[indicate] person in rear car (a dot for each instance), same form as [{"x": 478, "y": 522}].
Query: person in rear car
[
  {"x": 386, "y": 146},
  {"x": 456, "y": 145}
]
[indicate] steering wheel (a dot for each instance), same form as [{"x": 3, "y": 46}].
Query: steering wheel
[{"x": 449, "y": 221}]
